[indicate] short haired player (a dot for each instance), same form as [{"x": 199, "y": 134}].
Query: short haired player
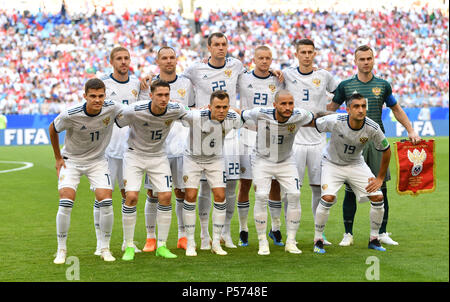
[
  {"x": 150, "y": 123},
  {"x": 88, "y": 131},
  {"x": 276, "y": 130},
  {"x": 342, "y": 162},
  {"x": 204, "y": 155}
]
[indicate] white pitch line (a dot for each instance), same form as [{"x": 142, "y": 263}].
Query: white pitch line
[{"x": 26, "y": 165}]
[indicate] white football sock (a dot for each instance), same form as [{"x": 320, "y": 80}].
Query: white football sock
[
  {"x": 243, "y": 208},
  {"x": 98, "y": 233},
  {"x": 376, "y": 217},
  {"x": 150, "y": 212},
  {"x": 260, "y": 215},
  {"x": 275, "y": 214},
  {"x": 179, "y": 212},
  {"x": 218, "y": 219},
  {"x": 315, "y": 198},
  {"x": 230, "y": 195},
  {"x": 189, "y": 220},
  {"x": 321, "y": 218},
  {"x": 106, "y": 222},
  {"x": 293, "y": 215},
  {"x": 163, "y": 219},
  {"x": 204, "y": 207},
  {"x": 63, "y": 222},
  {"x": 128, "y": 223}
]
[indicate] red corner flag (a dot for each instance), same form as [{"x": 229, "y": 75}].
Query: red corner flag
[{"x": 415, "y": 167}]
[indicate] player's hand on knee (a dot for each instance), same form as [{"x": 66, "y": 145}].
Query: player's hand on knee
[
  {"x": 374, "y": 184},
  {"x": 59, "y": 164}
]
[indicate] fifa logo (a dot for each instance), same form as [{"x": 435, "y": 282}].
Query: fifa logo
[{"x": 417, "y": 158}]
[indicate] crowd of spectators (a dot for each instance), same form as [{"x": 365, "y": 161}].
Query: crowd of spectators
[{"x": 45, "y": 59}]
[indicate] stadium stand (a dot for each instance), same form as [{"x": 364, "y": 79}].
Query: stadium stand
[{"x": 45, "y": 57}]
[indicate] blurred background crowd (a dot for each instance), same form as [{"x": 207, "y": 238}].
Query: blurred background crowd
[{"x": 46, "y": 56}]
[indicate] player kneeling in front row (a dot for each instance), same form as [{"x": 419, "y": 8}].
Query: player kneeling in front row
[
  {"x": 276, "y": 129},
  {"x": 207, "y": 132},
  {"x": 342, "y": 161},
  {"x": 89, "y": 128}
]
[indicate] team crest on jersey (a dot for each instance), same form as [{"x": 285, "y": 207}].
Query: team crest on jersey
[
  {"x": 363, "y": 140},
  {"x": 134, "y": 92},
  {"x": 106, "y": 121},
  {"x": 316, "y": 82},
  {"x": 243, "y": 170},
  {"x": 181, "y": 92},
  {"x": 376, "y": 90},
  {"x": 185, "y": 178},
  {"x": 324, "y": 187},
  {"x": 291, "y": 128},
  {"x": 168, "y": 122},
  {"x": 228, "y": 72},
  {"x": 272, "y": 88}
]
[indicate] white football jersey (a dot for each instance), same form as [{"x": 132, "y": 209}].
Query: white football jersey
[
  {"x": 127, "y": 93},
  {"x": 206, "y": 136},
  {"x": 254, "y": 92},
  {"x": 346, "y": 144},
  {"x": 182, "y": 91},
  {"x": 206, "y": 79},
  {"x": 310, "y": 93},
  {"x": 87, "y": 136},
  {"x": 274, "y": 140},
  {"x": 147, "y": 130}
]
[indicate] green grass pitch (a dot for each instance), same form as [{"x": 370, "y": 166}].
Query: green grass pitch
[{"x": 29, "y": 202}]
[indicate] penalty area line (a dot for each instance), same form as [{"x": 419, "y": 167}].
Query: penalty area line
[{"x": 26, "y": 166}]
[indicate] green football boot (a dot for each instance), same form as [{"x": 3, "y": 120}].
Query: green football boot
[
  {"x": 129, "y": 253},
  {"x": 164, "y": 252}
]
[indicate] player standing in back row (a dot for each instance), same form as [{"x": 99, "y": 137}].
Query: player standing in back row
[
  {"x": 123, "y": 88},
  {"x": 181, "y": 91},
  {"x": 219, "y": 73},
  {"x": 309, "y": 88},
  {"x": 256, "y": 89},
  {"x": 377, "y": 92}
]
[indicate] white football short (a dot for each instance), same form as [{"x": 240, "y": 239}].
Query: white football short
[
  {"x": 157, "y": 168},
  {"x": 309, "y": 156},
  {"x": 213, "y": 171},
  {"x": 246, "y": 167},
  {"x": 176, "y": 168},
  {"x": 357, "y": 176},
  {"x": 285, "y": 172},
  {"x": 97, "y": 173}
]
